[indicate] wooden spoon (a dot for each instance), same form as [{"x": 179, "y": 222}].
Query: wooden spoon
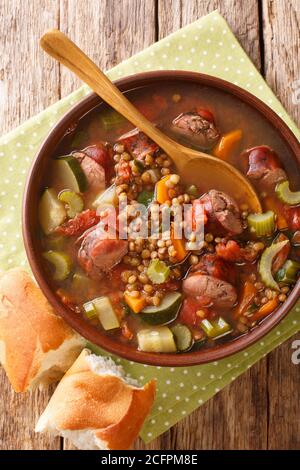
[{"x": 194, "y": 167}]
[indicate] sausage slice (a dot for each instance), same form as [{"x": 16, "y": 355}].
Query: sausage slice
[
  {"x": 198, "y": 129},
  {"x": 98, "y": 253},
  {"x": 221, "y": 293},
  {"x": 222, "y": 208}
]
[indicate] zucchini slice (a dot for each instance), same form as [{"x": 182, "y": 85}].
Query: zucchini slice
[
  {"x": 51, "y": 211},
  {"x": 166, "y": 312},
  {"x": 287, "y": 196},
  {"x": 158, "y": 340},
  {"x": 183, "y": 337},
  {"x": 69, "y": 174},
  {"x": 73, "y": 201},
  {"x": 61, "y": 263}
]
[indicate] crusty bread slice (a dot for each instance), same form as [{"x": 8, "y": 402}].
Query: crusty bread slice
[
  {"x": 96, "y": 406},
  {"x": 36, "y": 346}
]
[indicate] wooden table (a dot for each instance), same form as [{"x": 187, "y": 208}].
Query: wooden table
[{"x": 261, "y": 409}]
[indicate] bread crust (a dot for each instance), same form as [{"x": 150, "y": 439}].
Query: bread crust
[
  {"x": 105, "y": 404},
  {"x": 29, "y": 328}
]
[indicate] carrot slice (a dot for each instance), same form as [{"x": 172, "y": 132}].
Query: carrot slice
[
  {"x": 247, "y": 296},
  {"x": 226, "y": 144},
  {"x": 136, "y": 304},
  {"x": 267, "y": 308},
  {"x": 179, "y": 245},
  {"x": 161, "y": 190}
]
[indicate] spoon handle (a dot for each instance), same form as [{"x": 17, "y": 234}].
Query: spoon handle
[{"x": 59, "y": 46}]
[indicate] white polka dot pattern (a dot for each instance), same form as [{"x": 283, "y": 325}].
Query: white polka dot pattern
[{"x": 206, "y": 46}]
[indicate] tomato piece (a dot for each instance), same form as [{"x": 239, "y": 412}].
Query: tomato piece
[
  {"x": 233, "y": 252},
  {"x": 187, "y": 314},
  {"x": 206, "y": 114},
  {"x": 126, "y": 331},
  {"x": 293, "y": 215},
  {"x": 123, "y": 172},
  {"x": 79, "y": 224},
  {"x": 214, "y": 266}
]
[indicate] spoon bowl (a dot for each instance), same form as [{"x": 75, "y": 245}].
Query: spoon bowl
[{"x": 191, "y": 165}]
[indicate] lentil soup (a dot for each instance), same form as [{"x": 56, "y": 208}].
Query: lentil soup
[{"x": 167, "y": 294}]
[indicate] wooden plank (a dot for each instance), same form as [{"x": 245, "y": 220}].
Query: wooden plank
[
  {"x": 281, "y": 19},
  {"x": 284, "y": 403},
  {"x": 236, "y": 418},
  {"x": 28, "y": 78},
  {"x": 242, "y": 17},
  {"x": 109, "y": 31},
  {"x": 28, "y": 83}
]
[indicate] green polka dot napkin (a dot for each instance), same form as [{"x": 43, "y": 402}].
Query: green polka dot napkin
[{"x": 208, "y": 46}]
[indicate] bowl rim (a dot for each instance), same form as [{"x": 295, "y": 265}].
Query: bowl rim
[{"x": 76, "y": 321}]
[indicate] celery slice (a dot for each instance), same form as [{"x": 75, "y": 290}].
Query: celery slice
[
  {"x": 158, "y": 272},
  {"x": 288, "y": 273},
  {"x": 266, "y": 262},
  {"x": 90, "y": 310},
  {"x": 216, "y": 328},
  {"x": 145, "y": 198},
  {"x": 287, "y": 196},
  {"x": 111, "y": 119},
  {"x": 262, "y": 224}
]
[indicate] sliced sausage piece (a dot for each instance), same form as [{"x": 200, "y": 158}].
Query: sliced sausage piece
[
  {"x": 221, "y": 293},
  {"x": 264, "y": 166},
  {"x": 93, "y": 171},
  {"x": 223, "y": 209},
  {"x": 137, "y": 143},
  {"x": 283, "y": 254},
  {"x": 212, "y": 265},
  {"x": 98, "y": 252},
  {"x": 101, "y": 153},
  {"x": 197, "y": 128}
]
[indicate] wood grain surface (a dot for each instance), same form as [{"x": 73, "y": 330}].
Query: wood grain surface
[{"x": 261, "y": 409}]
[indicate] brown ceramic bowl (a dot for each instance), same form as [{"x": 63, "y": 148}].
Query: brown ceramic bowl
[{"x": 30, "y": 223}]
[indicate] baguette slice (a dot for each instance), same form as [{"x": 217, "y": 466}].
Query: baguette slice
[
  {"x": 96, "y": 407},
  {"x": 36, "y": 346}
]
